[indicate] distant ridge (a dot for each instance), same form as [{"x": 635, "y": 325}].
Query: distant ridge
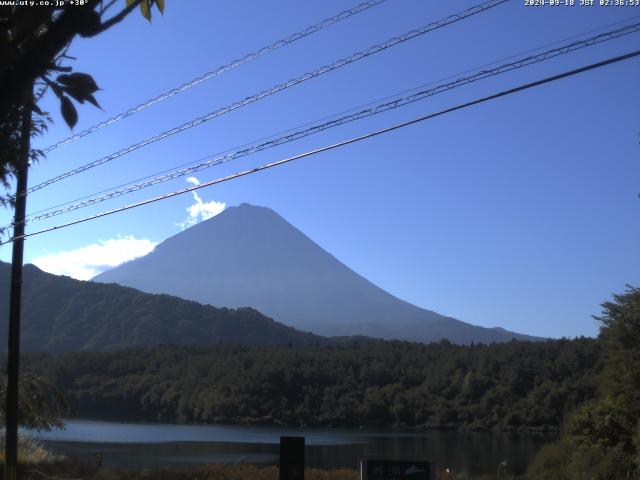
[
  {"x": 251, "y": 256},
  {"x": 60, "y": 314}
]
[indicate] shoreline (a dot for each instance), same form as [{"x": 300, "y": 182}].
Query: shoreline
[{"x": 546, "y": 431}]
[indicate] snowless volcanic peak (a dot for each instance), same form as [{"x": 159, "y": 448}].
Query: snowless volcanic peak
[{"x": 251, "y": 256}]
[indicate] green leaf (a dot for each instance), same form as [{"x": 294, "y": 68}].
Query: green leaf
[
  {"x": 76, "y": 93},
  {"x": 130, "y": 2},
  {"x": 68, "y": 111},
  {"x": 145, "y": 8},
  {"x": 160, "y": 4},
  {"x": 77, "y": 80},
  {"x": 91, "y": 99}
]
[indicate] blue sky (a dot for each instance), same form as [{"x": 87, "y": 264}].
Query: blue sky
[{"x": 521, "y": 213}]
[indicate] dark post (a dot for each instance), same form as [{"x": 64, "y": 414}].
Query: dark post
[
  {"x": 291, "y": 458},
  {"x": 13, "y": 359}
]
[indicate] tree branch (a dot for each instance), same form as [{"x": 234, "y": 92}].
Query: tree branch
[
  {"x": 115, "y": 19},
  {"x": 106, "y": 7},
  {"x": 36, "y": 61}
]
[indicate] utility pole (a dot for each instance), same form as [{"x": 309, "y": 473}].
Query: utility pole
[{"x": 13, "y": 360}]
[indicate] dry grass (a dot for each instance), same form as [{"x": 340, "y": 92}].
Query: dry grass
[
  {"x": 70, "y": 469},
  {"x": 55, "y": 468},
  {"x": 42, "y": 465},
  {"x": 221, "y": 472}
]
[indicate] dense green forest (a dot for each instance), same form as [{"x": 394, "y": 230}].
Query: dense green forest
[
  {"x": 510, "y": 386},
  {"x": 600, "y": 440}
]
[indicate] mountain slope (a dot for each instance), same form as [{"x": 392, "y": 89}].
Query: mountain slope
[
  {"x": 62, "y": 314},
  {"x": 250, "y": 256}
]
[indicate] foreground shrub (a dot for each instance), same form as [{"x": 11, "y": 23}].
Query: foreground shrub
[{"x": 30, "y": 451}]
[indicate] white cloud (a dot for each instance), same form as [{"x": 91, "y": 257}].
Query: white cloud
[
  {"x": 86, "y": 262},
  {"x": 200, "y": 210}
]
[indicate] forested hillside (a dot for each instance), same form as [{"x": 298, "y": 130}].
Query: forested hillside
[
  {"x": 61, "y": 314},
  {"x": 511, "y": 386}
]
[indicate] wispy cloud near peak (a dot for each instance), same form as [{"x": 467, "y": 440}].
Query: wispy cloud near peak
[{"x": 200, "y": 210}]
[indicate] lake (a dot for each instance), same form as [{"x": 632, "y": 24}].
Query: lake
[{"x": 137, "y": 445}]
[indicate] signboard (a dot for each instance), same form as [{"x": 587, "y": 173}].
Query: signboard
[
  {"x": 291, "y": 458},
  {"x": 395, "y": 470}
]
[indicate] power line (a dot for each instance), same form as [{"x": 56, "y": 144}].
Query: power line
[
  {"x": 222, "y": 69},
  {"x": 307, "y": 124},
  {"x": 277, "y": 88},
  {"x": 343, "y": 143},
  {"x": 325, "y": 118},
  {"x": 319, "y": 127}
]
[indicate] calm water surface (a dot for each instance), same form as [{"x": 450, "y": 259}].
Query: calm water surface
[{"x": 137, "y": 445}]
